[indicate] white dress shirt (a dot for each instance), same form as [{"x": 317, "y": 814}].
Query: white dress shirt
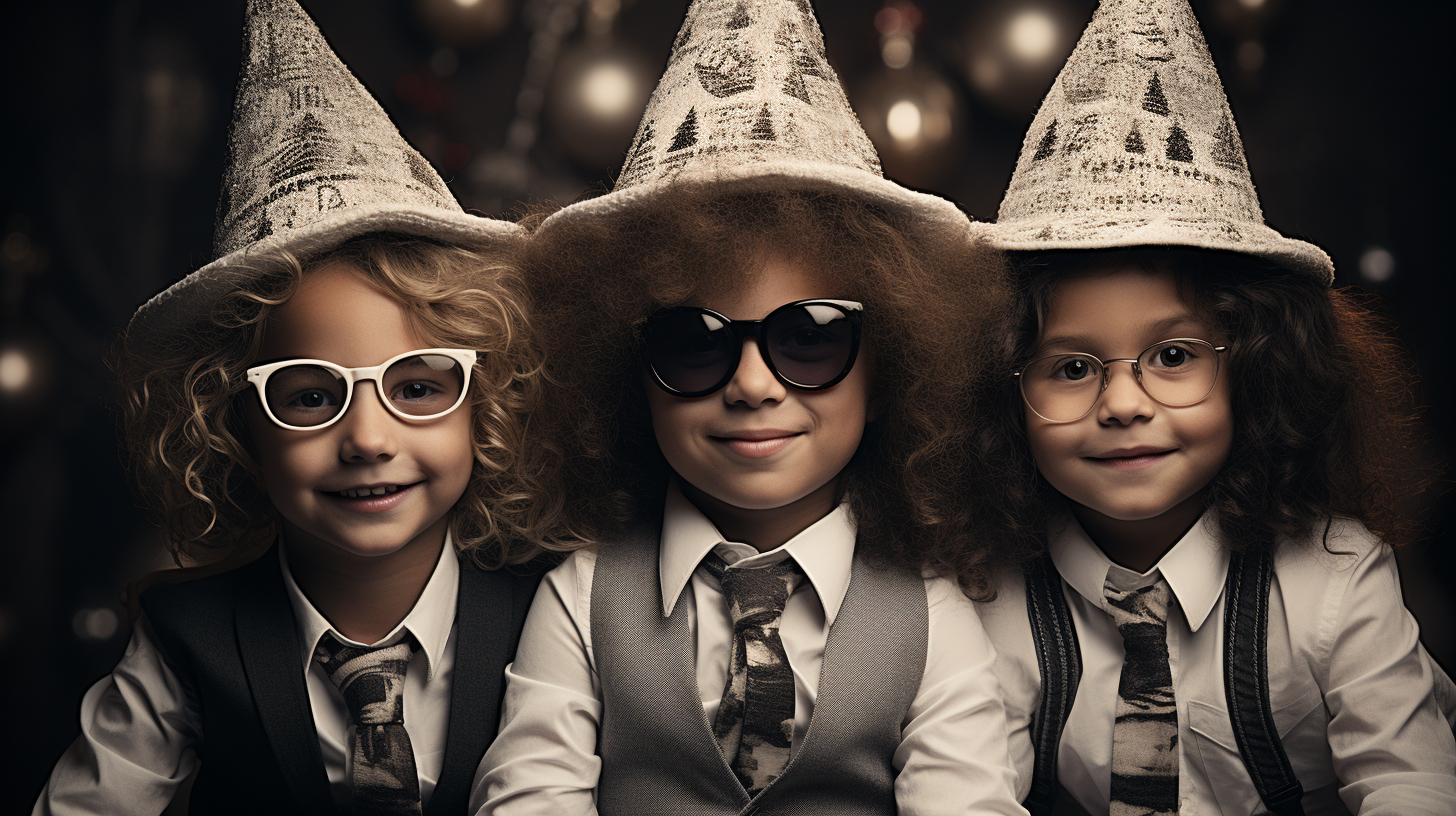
[
  {"x": 953, "y": 751},
  {"x": 140, "y": 730},
  {"x": 1357, "y": 701}
]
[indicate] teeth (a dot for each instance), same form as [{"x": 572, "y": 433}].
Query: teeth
[{"x": 362, "y": 492}]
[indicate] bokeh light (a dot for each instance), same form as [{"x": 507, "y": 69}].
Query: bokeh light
[
  {"x": 595, "y": 99},
  {"x": 610, "y": 91},
  {"x": 1011, "y": 51},
  {"x": 1377, "y": 265},
  {"x": 1032, "y": 35},
  {"x": 915, "y": 118},
  {"x": 99, "y": 623},
  {"x": 464, "y": 23},
  {"x": 15, "y": 370}
]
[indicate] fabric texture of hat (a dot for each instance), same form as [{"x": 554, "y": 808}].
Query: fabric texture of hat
[
  {"x": 1136, "y": 145},
  {"x": 749, "y": 103},
  {"x": 312, "y": 161}
]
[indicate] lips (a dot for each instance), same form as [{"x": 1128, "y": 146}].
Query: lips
[
  {"x": 371, "y": 498},
  {"x": 1131, "y": 458},
  {"x": 757, "y": 444}
]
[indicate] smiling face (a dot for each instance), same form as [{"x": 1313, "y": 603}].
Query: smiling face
[
  {"x": 757, "y": 445},
  {"x": 371, "y": 484},
  {"x": 1131, "y": 463}
]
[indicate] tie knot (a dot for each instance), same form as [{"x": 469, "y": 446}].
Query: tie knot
[
  {"x": 1141, "y": 606},
  {"x": 371, "y": 681},
  {"x": 755, "y": 595}
]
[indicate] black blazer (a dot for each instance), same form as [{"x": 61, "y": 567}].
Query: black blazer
[{"x": 232, "y": 640}]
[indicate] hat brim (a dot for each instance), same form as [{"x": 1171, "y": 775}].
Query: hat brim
[
  {"x": 1100, "y": 231},
  {"x": 936, "y": 216},
  {"x": 190, "y": 300}
]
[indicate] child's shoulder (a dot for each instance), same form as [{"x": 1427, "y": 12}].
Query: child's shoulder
[
  {"x": 1333, "y": 548},
  {"x": 194, "y": 590}
]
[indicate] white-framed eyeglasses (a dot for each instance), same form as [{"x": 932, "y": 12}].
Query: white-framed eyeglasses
[
  {"x": 417, "y": 386},
  {"x": 1065, "y": 387}
]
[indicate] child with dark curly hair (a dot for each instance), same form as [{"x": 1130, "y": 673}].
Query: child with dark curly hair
[
  {"x": 1202, "y": 443},
  {"x": 334, "y": 416},
  {"x": 763, "y": 356}
]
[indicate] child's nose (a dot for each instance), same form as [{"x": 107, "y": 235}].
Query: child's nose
[
  {"x": 1124, "y": 399},
  {"x": 368, "y": 427},
  {"x": 753, "y": 383}
]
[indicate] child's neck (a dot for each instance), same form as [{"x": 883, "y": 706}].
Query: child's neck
[
  {"x": 364, "y": 597},
  {"x": 765, "y": 529},
  {"x": 1139, "y": 545}
]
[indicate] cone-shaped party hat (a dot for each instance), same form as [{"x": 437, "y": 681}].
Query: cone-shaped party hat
[
  {"x": 1136, "y": 145},
  {"x": 312, "y": 161},
  {"x": 750, "y": 103}
]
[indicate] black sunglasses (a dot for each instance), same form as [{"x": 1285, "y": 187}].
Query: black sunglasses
[{"x": 808, "y": 344}]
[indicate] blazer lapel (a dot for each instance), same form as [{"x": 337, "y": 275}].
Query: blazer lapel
[
  {"x": 485, "y": 641},
  {"x": 268, "y": 643}
]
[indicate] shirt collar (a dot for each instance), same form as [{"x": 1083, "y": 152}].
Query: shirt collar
[
  {"x": 429, "y": 621},
  {"x": 1195, "y": 568},
  {"x": 824, "y": 551}
]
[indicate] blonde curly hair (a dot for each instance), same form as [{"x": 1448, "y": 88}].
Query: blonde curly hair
[{"x": 189, "y": 451}]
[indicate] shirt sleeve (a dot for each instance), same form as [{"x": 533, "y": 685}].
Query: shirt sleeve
[
  {"x": 953, "y": 755},
  {"x": 544, "y": 759},
  {"x": 139, "y": 737},
  {"x": 1392, "y": 747}
]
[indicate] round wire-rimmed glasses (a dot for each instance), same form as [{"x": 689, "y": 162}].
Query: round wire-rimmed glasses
[
  {"x": 417, "y": 386},
  {"x": 1065, "y": 387}
]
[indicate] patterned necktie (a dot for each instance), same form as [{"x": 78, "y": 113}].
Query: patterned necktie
[
  {"x": 372, "y": 683},
  {"x": 755, "y": 722},
  {"x": 1145, "y": 737}
]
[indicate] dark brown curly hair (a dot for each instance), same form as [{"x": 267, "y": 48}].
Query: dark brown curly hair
[
  {"x": 189, "y": 451},
  {"x": 1324, "y": 407},
  {"x": 931, "y": 309}
]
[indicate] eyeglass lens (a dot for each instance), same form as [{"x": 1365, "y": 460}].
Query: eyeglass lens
[
  {"x": 421, "y": 385},
  {"x": 694, "y": 352},
  {"x": 1064, "y": 387}
]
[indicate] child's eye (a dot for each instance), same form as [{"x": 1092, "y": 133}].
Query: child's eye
[
  {"x": 1171, "y": 356},
  {"x": 1074, "y": 369},
  {"x": 810, "y": 343},
  {"x": 416, "y": 391},
  {"x": 312, "y": 399}
]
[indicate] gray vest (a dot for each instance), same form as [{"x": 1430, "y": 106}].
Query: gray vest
[{"x": 656, "y": 744}]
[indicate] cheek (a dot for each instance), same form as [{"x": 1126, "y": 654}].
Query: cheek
[
  {"x": 1215, "y": 431},
  {"x": 453, "y": 449},
  {"x": 1054, "y": 451}
]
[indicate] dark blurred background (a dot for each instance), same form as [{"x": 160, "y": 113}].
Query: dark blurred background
[{"x": 116, "y": 113}]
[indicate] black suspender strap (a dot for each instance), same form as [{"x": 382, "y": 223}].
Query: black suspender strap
[
  {"x": 1246, "y": 682},
  {"x": 1059, "y": 659}
]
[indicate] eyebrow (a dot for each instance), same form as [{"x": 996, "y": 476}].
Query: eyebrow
[{"x": 1166, "y": 329}]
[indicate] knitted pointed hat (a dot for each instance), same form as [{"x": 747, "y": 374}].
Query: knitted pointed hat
[
  {"x": 1135, "y": 145},
  {"x": 312, "y": 161},
  {"x": 749, "y": 103}
]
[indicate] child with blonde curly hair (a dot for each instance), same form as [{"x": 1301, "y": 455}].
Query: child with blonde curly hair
[{"x": 338, "y": 409}]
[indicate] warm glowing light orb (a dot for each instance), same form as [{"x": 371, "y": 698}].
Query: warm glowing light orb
[
  {"x": 15, "y": 370},
  {"x": 467, "y": 3},
  {"x": 904, "y": 121},
  {"x": 897, "y": 51},
  {"x": 1377, "y": 265},
  {"x": 609, "y": 91},
  {"x": 1032, "y": 35}
]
